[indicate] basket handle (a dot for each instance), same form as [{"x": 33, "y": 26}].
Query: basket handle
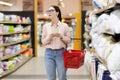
[{"x": 69, "y": 50}]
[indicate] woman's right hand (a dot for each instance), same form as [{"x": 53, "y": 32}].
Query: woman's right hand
[{"x": 52, "y": 35}]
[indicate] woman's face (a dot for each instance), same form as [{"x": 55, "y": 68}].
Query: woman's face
[{"x": 52, "y": 13}]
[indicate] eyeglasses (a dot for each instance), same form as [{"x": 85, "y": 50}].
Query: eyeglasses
[{"x": 52, "y": 10}]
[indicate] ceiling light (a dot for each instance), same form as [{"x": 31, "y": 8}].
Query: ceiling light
[
  {"x": 60, "y": 0},
  {"x": 70, "y": 14},
  {"x": 45, "y": 14},
  {"x": 5, "y": 3},
  {"x": 62, "y": 4}
]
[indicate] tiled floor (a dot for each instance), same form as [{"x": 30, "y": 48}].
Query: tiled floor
[{"x": 35, "y": 70}]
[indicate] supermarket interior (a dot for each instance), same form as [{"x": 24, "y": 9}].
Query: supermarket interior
[{"x": 59, "y": 39}]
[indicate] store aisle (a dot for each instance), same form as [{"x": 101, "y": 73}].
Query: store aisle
[{"x": 35, "y": 70}]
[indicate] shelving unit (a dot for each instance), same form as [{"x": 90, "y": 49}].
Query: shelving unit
[
  {"x": 9, "y": 33},
  {"x": 9, "y": 56},
  {"x": 99, "y": 11},
  {"x": 108, "y": 9},
  {"x": 16, "y": 67},
  {"x": 15, "y": 23},
  {"x": 29, "y": 40},
  {"x": 8, "y": 44}
]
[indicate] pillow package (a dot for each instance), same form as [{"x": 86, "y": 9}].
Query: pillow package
[
  {"x": 101, "y": 46},
  {"x": 95, "y": 37},
  {"x": 100, "y": 71},
  {"x": 102, "y": 18},
  {"x": 118, "y": 1},
  {"x": 102, "y": 22},
  {"x": 92, "y": 19},
  {"x": 1, "y": 17},
  {"x": 114, "y": 21},
  {"x": 87, "y": 59},
  {"x": 115, "y": 76},
  {"x": 87, "y": 28},
  {"x": 99, "y": 4},
  {"x": 113, "y": 59}
]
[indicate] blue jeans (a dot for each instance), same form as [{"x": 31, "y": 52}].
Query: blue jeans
[{"x": 53, "y": 62}]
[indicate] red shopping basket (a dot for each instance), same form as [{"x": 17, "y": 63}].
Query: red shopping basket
[{"x": 73, "y": 58}]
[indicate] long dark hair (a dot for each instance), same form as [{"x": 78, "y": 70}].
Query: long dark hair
[{"x": 57, "y": 9}]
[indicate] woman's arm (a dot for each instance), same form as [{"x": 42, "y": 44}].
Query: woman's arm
[
  {"x": 66, "y": 38},
  {"x": 46, "y": 39}
]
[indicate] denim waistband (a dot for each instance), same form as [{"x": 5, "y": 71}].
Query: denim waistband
[{"x": 55, "y": 49}]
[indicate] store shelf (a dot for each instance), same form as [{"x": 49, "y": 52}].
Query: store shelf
[
  {"x": 9, "y": 56},
  {"x": 14, "y": 23},
  {"x": 26, "y": 33},
  {"x": 107, "y": 9},
  {"x": 16, "y": 67},
  {"x": 9, "y": 33},
  {"x": 8, "y": 44}
]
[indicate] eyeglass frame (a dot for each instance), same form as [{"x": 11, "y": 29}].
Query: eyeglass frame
[{"x": 51, "y": 10}]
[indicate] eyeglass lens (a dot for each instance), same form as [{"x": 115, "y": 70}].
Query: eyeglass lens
[{"x": 52, "y": 10}]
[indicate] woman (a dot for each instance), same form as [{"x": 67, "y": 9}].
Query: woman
[{"x": 55, "y": 37}]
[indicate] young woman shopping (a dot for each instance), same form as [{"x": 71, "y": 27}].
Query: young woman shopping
[{"x": 55, "y": 37}]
